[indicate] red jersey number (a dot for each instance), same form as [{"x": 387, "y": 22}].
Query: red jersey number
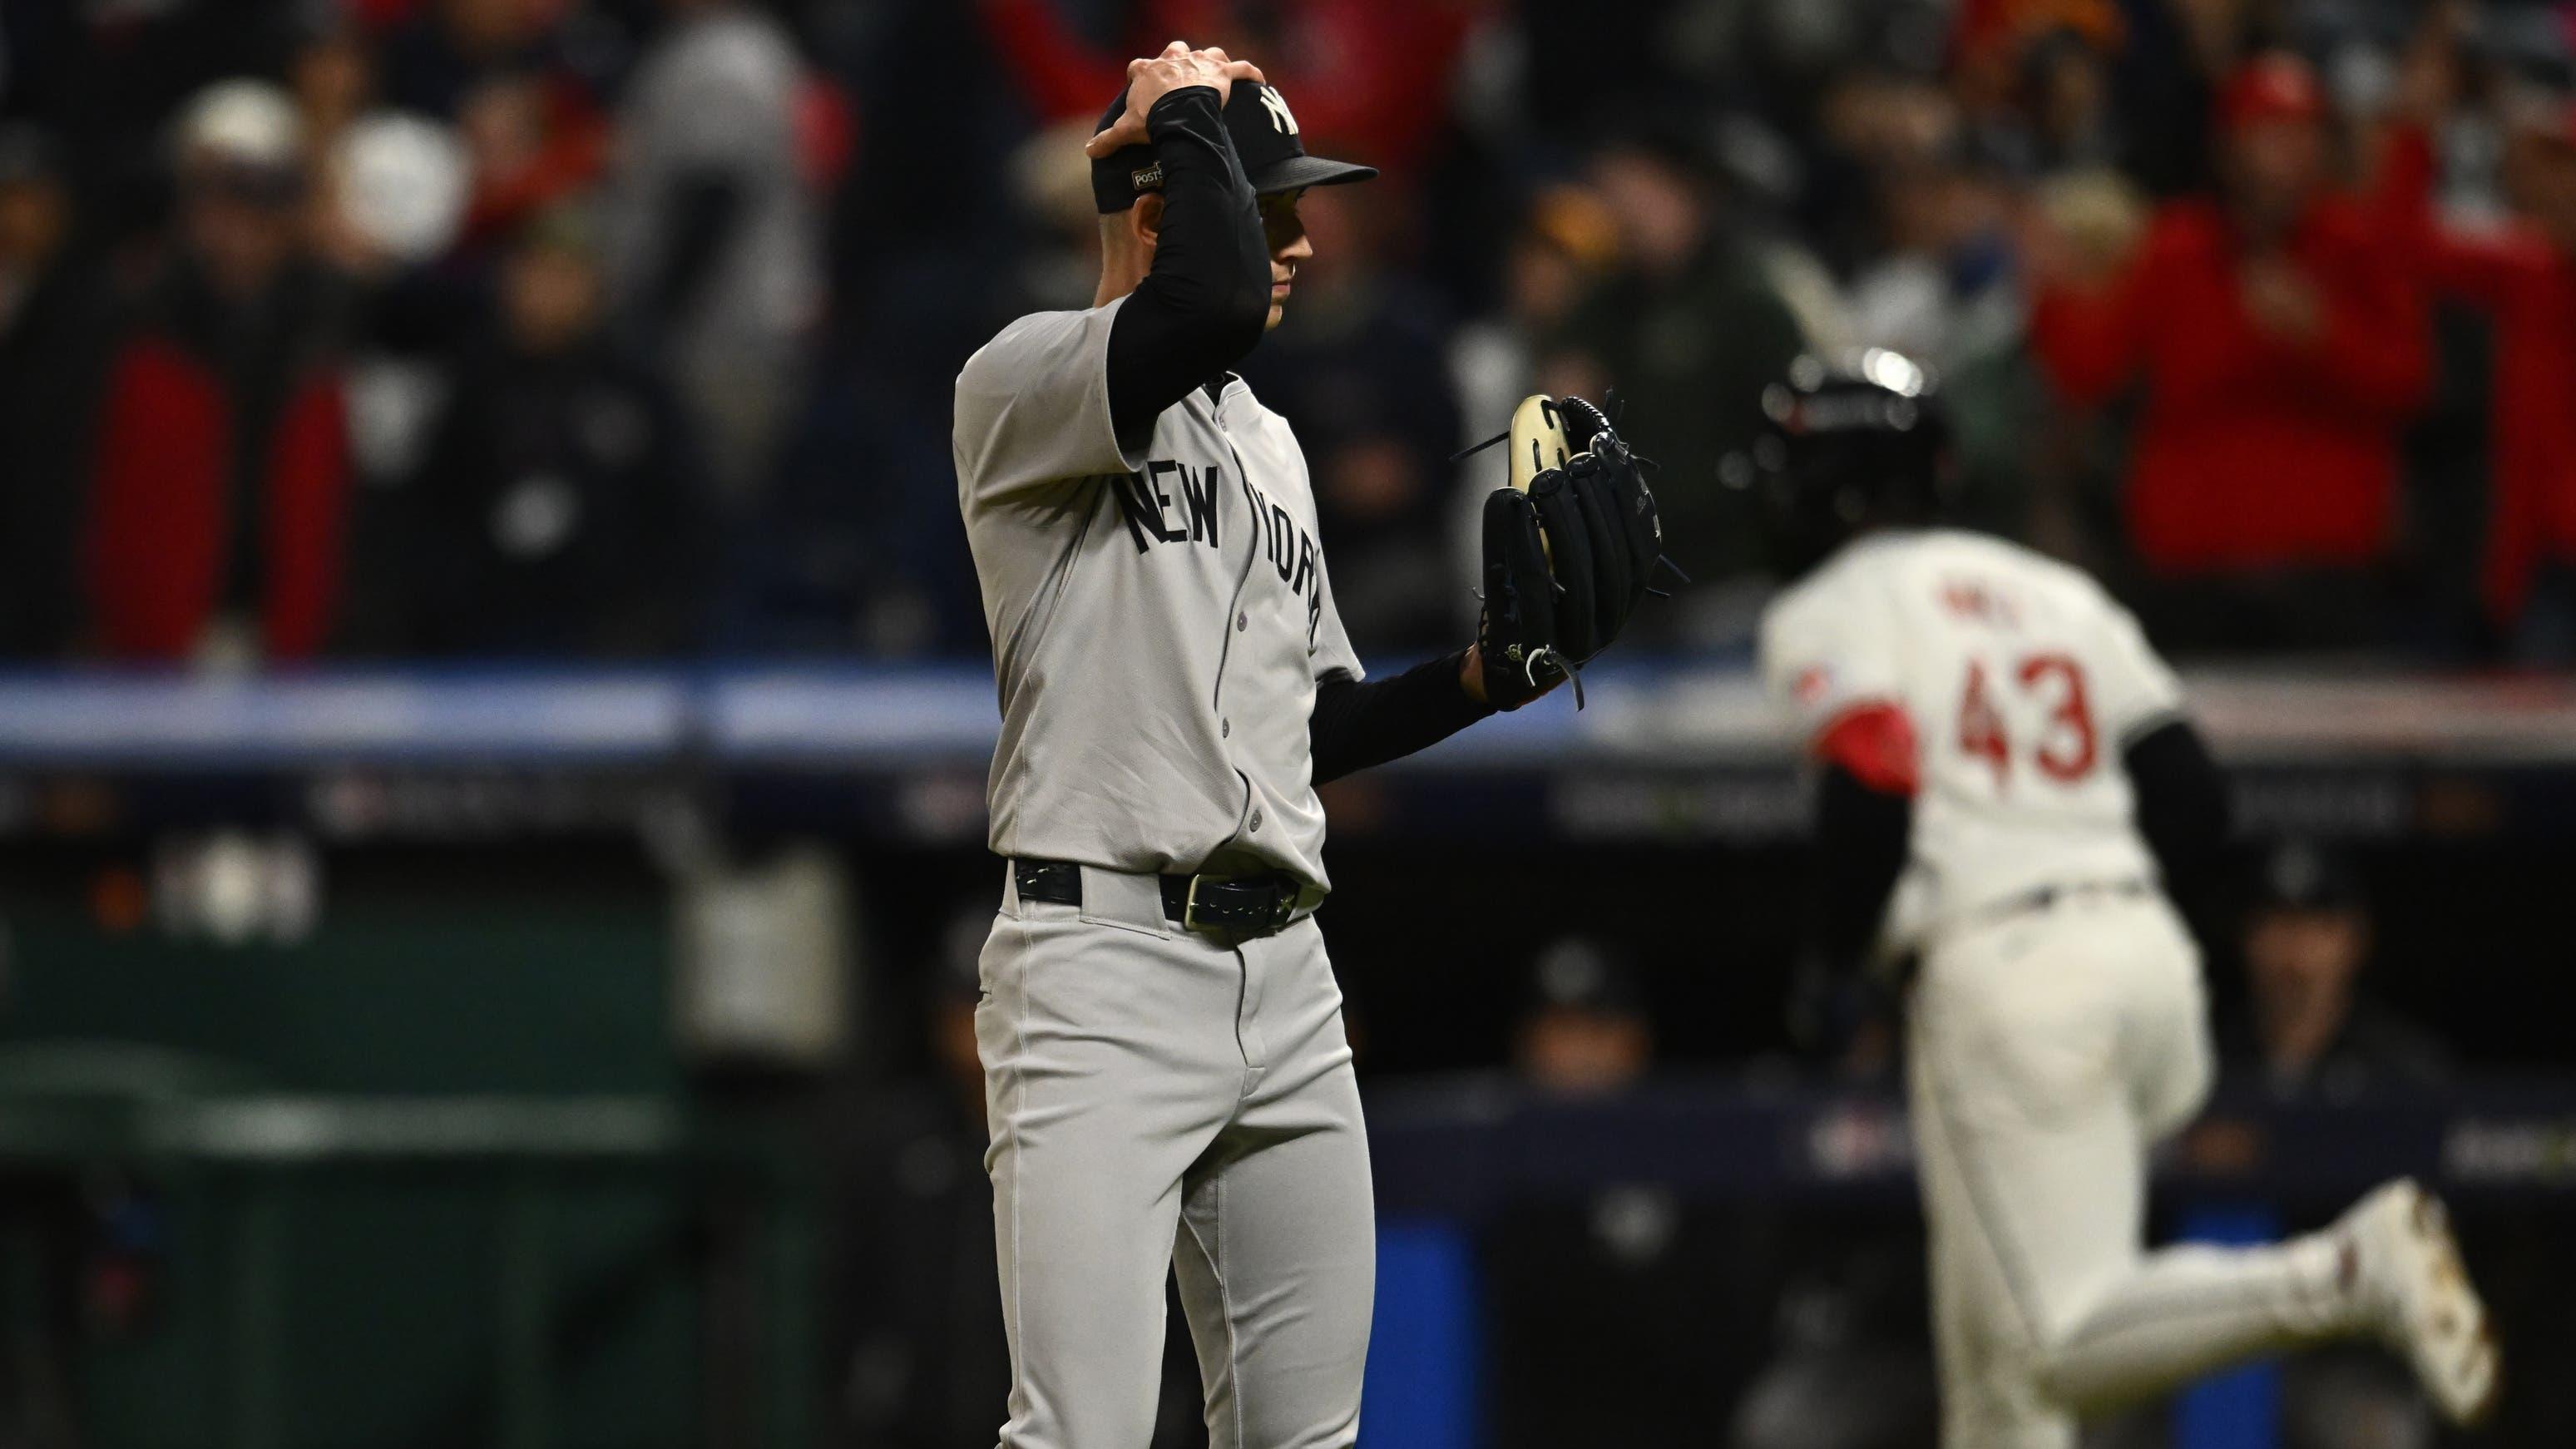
[
  {"x": 1981, "y": 730},
  {"x": 2068, "y": 745}
]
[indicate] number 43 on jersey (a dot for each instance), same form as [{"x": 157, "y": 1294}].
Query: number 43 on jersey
[{"x": 2063, "y": 748}]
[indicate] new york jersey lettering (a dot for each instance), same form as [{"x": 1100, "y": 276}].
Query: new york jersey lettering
[
  {"x": 1147, "y": 507},
  {"x": 1161, "y": 611}
]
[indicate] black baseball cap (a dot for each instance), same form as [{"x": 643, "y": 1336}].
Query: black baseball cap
[
  {"x": 1578, "y": 973},
  {"x": 2301, "y": 875},
  {"x": 1264, "y": 132}
]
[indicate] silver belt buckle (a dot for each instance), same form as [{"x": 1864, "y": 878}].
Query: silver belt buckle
[{"x": 1190, "y": 907}]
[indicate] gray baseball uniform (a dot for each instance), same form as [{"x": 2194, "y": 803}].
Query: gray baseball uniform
[{"x": 1158, "y": 1095}]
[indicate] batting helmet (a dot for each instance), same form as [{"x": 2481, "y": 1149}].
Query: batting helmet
[{"x": 1847, "y": 446}]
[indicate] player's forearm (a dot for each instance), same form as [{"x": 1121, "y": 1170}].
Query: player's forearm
[
  {"x": 2183, "y": 814},
  {"x": 699, "y": 214},
  {"x": 1210, "y": 265},
  {"x": 1358, "y": 724},
  {"x": 1862, "y": 834},
  {"x": 1204, "y": 303}
]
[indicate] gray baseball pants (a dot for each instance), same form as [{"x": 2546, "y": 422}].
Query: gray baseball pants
[{"x": 1158, "y": 1097}]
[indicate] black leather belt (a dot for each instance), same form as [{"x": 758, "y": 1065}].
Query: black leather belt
[
  {"x": 2051, "y": 896},
  {"x": 1242, "y": 905}
]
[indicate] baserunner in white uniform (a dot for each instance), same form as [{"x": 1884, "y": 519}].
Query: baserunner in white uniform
[
  {"x": 2009, "y": 793},
  {"x": 1167, "y": 1082}
]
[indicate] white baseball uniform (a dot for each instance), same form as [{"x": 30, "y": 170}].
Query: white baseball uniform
[
  {"x": 2058, "y": 1025},
  {"x": 1159, "y": 1097}
]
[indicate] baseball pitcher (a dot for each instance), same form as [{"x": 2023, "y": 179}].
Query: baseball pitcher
[{"x": 1167, "y": 1084}]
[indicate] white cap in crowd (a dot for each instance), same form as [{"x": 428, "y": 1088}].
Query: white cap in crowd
[{"x": 240, "y": 123}]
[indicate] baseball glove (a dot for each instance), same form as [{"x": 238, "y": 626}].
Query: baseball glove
[{"x": 1570, "y": 550}]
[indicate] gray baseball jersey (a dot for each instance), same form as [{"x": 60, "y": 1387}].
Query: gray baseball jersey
[{"x": 1159, "y": 618}]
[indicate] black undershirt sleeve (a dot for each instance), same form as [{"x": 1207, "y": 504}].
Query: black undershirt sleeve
[
  {"x": 2182, "y": 812},
  {"x": 1357, "y": 724},
  {"x": 1862, "y": 835},
  {"x": 697, "y": 217},
  {"x": 1205, "y": 302}
]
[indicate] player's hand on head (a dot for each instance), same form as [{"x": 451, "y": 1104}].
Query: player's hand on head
[{"x": 1149, "y": 80}]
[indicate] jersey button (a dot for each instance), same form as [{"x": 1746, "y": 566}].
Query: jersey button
[
  {"x": 1242, "y": 621},
  {"x": 1256, "y": 820},
  {"x": 1225, "y": 729}
]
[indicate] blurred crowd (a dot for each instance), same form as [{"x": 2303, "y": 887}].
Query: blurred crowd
[{"x": 626, "y": 328}]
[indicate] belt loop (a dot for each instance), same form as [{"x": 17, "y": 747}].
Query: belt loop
[
  {"x": 1010, "y": 887},
  {"x": 1127, "y": 900}
]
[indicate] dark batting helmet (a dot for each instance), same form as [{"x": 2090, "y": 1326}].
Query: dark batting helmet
[{"x": 1847, "y": 446}]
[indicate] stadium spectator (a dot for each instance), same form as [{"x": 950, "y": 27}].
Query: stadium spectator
[
  {"x": 106, "y": 81},
  {"x": 2282, "y": 348},
  {"x": 2308, "y": 1026},
  {"x": 714, "y": 239},
  {"x": 558, "y": 498},
  {"x": 331, "y": 72},
  {"x": 52, "y": 317},
  {"x": 1945, "y": 286},
  {"x": 441, "y": 51},
  {"x": 1688, "y": 329},
  {"x": 2522, "y": 276},
  {"x": 867, "y": 559},
  {"x": 1645, "y": 1299},
  {"x": 1871, "y": 123},
  {"x": 1359, "y": 372},
  {"x": 1566, "y": 240},
  {"x": 504, "y": 73},
  {"x": 390, "y": 187},
  {"x": 218, "y": 500},
  {"x": 1941, "y": 286},
  {"x": 1586, "y": 1033},
  {"x": 2065, "y": 82}
]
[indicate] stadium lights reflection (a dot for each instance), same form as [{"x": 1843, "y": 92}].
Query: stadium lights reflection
[{"x": 1892, "y": 370}]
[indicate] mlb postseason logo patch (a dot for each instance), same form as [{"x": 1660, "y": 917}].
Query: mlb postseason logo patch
[{"x": 1149, "y": 178}]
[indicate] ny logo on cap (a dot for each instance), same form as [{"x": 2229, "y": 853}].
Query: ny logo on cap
[{"x": 1278, "y": 108}]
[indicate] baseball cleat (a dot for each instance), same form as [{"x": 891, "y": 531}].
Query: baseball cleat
[{"x": 2406, "y": 1268}]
